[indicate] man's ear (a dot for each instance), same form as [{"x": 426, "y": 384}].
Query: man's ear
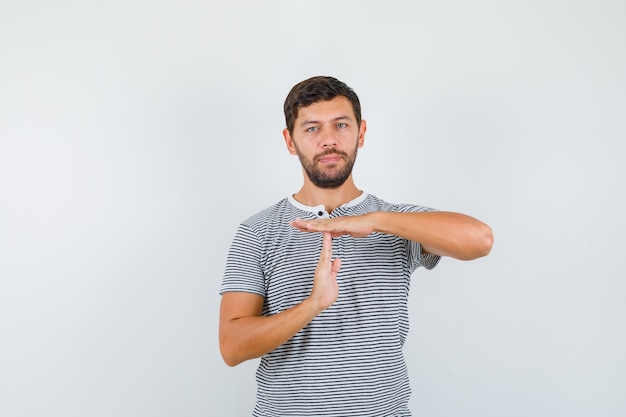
[
  {"x": 291, "y": 146},
  {"x": 362, "y": 130}
]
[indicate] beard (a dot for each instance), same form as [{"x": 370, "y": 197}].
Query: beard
[{"x": 332, "y": 176}]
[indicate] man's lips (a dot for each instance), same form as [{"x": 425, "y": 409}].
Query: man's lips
[{"x": 330, "y": 158}]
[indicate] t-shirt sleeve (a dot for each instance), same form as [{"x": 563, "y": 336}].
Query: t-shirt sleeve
[
  {"x": 416, "y": 255},
  {"x": 243, "y": 271}
]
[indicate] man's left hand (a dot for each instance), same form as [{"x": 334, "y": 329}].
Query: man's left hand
[{"x": 355, "y": 226}]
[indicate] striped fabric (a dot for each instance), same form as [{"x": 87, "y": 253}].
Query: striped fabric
[{"x": 348, "y": 361}]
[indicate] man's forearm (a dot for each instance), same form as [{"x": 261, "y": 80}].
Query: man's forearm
[
  {"x": 439, "y": 232},
  {"x": 250, "y": 337},
  {"x": 246, "y": 334}
]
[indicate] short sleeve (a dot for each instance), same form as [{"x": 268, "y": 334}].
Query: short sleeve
[
  {"x": 243, "y": 271},
  {"x": 416, "y": 255}
]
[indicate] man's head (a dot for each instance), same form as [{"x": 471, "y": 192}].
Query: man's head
[
  {"x": 317, "y": 89},
  {"x": 324, "y": 129}
]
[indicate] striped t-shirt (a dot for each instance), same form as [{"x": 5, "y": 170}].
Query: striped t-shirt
[{"x": 348, "y": 361}]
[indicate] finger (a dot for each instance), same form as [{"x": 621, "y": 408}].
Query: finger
[
  {"x": 295, "y": 224},
  {"x": 327, "y": 247},
  {"x": 301, "y": 225},
  {"x": 312, "y": 225}
]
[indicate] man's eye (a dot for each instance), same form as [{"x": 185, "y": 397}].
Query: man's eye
[
  {"x": 312, "y": 129},
  {"x": 341, "y": 125}
]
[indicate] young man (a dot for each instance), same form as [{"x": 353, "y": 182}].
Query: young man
[{"x": 317, "y": 284}]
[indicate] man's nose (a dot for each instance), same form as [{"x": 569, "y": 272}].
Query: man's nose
[{"x": 328, "y": 138}]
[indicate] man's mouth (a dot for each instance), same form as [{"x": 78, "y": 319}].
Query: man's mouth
[
  {"x": 331, "y": 156},
  {"x": 327, "y": 159}
]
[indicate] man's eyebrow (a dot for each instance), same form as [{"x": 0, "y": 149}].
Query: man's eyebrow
[{"x": 336, "y": 119}]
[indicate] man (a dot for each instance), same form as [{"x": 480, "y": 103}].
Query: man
[{"x": 317, "y": 284}]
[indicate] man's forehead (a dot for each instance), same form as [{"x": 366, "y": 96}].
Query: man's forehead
[{"x": 336, "y": 108}]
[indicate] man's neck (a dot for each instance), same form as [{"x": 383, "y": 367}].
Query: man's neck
[{"x": 331, "y": 198}]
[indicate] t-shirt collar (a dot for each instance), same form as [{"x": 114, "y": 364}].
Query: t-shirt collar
[{"x": 321, "y": 209}]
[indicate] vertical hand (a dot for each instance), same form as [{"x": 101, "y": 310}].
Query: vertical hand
[{"x": 325, "y": 288}]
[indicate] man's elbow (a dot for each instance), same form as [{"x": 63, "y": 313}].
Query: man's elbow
[
  {"x": 228, "y": 355},
  {"x": 484, "y": 241},
  {"x": 230, "y": 361},
  {"x": 477, "y": 246}
]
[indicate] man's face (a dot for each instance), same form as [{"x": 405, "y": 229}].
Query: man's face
[{"x": 326, "y": 138}]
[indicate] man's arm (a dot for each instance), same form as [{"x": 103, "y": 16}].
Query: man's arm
[
  {"x": 245, "y": 334},
  {"x": 441, "y": 233}
]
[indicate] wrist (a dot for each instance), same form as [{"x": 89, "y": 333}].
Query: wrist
[
  {"x": 311, "y": 307},
  {"x": 375, "y": 220}
]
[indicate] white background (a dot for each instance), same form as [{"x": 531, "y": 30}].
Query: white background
[{"x": 136, "y": 135}]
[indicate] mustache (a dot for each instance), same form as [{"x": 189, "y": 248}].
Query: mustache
[{"x": 331, "y": 151}]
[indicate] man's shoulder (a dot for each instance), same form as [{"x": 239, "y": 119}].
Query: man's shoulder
[
  {"x": 374, "y": 203},
  {"x": 273, "y": 214}
]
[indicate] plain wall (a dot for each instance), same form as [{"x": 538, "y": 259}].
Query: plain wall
[{"x": 135, "y": 136}]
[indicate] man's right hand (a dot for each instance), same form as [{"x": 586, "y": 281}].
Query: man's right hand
[
  {"x": 325, "y": 288},
  {"x": 245, "y": 333}
]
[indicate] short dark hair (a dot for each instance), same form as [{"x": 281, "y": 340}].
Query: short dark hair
[{"x": 317, "y": 89}]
